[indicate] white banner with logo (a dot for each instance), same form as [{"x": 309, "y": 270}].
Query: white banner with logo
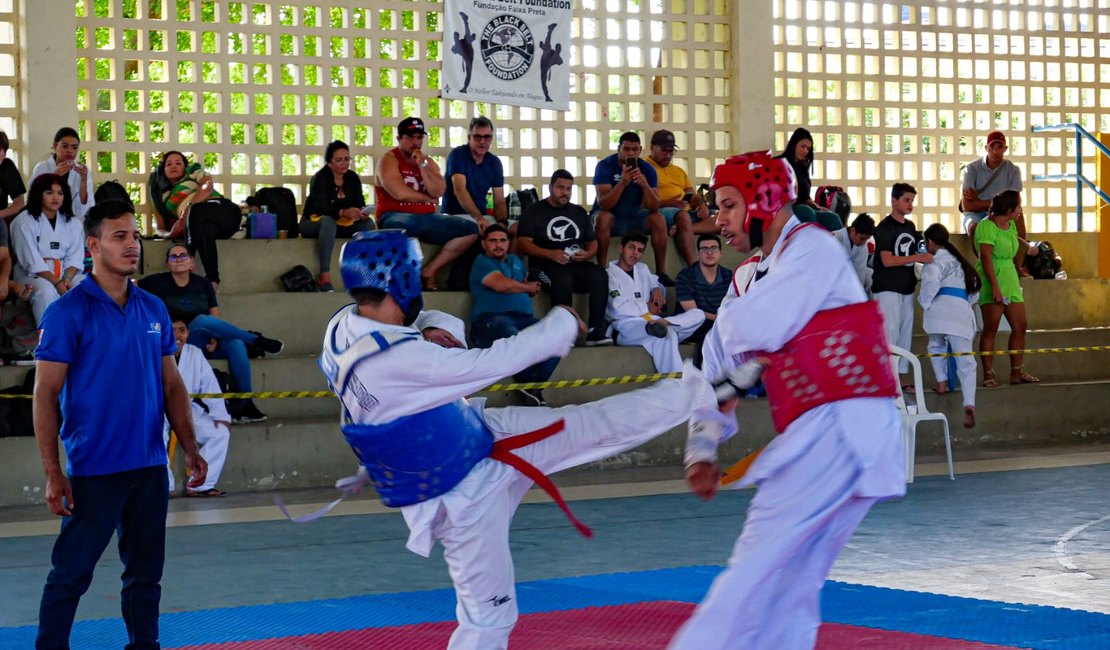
[{"x": 513, "y": 52}]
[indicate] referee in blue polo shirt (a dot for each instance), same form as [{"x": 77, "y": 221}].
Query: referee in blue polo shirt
[{"x": 105, "y": 376}]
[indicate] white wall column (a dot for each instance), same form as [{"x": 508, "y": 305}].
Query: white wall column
[
  {"x": 48, "y": 76},
  {"x": 753, "y": 66}
]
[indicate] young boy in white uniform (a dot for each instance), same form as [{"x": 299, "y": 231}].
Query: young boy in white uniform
[
  {"x": 804, "y": 320},
  {"x": 636, "y": 303},
  {"x": 456, "y": 469},
  {"x": 210, "y": 418}
]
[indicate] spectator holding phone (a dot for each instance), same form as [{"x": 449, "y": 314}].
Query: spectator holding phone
[
  {"x": 628, "y": 201},
  {"x": 64, "y": 163}
]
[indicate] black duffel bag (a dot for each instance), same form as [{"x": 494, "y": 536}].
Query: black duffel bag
[{"x": 299, "y": 280}]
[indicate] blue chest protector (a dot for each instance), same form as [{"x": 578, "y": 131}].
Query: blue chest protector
[{"x": 415, "y": 457}]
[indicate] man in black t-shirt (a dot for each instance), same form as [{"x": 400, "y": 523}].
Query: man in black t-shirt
[
  {"x": 559, "y": 241},
  {"x": 894, "y": 278},
  {"x": 12, "y": 189}
]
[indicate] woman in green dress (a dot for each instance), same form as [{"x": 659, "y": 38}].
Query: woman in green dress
[{"x": 997, "y": 242}]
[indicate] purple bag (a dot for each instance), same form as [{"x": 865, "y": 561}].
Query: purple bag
[{"x": 261, "y": 225}]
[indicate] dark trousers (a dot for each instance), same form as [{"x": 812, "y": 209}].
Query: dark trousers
[
  {"x": 208, "y": 222},
  {"x": 490, "y": 326},
  {"x": 575, "y": 277},
  {"x": 133, "y": 505}
]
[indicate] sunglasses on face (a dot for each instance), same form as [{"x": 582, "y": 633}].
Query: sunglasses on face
[
  {"x": 483, "y": 138},
  {"x": 182, "y": 257}
]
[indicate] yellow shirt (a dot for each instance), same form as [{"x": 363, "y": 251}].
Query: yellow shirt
[{"x": 673, "y": 181}]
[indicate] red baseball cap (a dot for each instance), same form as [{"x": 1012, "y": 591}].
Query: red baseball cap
[{"x": 996, "y": 136}]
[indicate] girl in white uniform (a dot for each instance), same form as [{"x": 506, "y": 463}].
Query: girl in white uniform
[
  {"x": 211, "y": 420},
  {"x": 949, "y": 288},
  {"x": 49, "y": 243},
  {"x": 73, "y": 172}
]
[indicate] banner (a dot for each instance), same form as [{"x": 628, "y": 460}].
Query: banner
[{"x": 513, "y": 52}]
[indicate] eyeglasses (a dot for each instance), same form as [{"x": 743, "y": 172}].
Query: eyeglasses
[
  {"x": 341, "y": 160},
  {"x": 179, "y": 258},
  {"x": 482, "y": 138},
  {"x": 710, "y": 249}
]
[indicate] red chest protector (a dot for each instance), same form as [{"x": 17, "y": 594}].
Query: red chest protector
[{"x": 840, "y": 354}]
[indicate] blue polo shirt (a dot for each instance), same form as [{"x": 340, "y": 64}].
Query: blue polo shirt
[
  {"x": 488, "y": 300},
  {"x": 111, "y": 402},
  {"x": 480, "y": 178}
]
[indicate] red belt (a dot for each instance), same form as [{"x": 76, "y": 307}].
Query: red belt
[{"x": 502, "y": 452}]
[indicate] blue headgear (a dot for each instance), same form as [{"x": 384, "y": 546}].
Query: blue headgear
[{"x": 386, "y": 260}]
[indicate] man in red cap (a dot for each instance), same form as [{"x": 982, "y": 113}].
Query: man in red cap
[
  {"x": 984, "y": 179},
  {"x": 803, "y": 320}
]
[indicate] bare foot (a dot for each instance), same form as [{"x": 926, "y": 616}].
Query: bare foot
[
  {"x": 942, "y": 388},
  {"x": 969, "y": 417}
]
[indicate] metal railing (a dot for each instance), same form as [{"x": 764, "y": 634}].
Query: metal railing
[{"x": 1080, "y": 180}]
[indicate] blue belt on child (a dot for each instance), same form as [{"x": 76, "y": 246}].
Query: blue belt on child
[{"x": 955, "y": 292}]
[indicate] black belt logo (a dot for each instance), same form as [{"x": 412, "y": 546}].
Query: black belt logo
[{"x": 507, "y": 47}]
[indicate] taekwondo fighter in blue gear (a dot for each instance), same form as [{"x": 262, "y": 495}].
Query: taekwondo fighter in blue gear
[{"x": 456, "y": 469}]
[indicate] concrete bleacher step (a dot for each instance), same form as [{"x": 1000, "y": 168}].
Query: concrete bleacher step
[{"x": 310, "y": 451}]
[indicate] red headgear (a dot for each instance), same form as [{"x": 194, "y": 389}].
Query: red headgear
[{"x": 766, "y": 183}]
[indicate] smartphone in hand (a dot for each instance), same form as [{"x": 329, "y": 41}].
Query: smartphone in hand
[
  {"x": 632, "y": 162},
  {"x": 687, "y": 196}
]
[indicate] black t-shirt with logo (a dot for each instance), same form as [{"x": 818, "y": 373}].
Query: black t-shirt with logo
[
  {"x": 556, "y": 228},
  {"x": 902, "y": 240}
]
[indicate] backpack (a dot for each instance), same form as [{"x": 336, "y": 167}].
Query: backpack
[
  {"x": 1046, "y": 264},
  {"x": 18, "y": 333},
  {"x": 834, "y": 199},
  {"x": 298, "y": 280},
  {"x": 113, "y": 190},
  {"x": 15, "y": 413},
  {"x": 281, "y": 202}
]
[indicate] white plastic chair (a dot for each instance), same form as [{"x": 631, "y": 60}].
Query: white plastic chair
[{"x": 914, "y": 414}]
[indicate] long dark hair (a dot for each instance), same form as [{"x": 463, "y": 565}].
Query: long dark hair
[
  {"x": 39, "y": 186},
  {"x": 165, "y": 157},
  {"x": 797, "y": 136},
  {"x": 938, "y": 234},
  {"x": 1005, "y": 201}
]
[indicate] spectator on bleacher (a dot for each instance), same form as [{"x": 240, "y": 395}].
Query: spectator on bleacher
[
  {"x": 193, "y": 298},
  {"x": 683, "y": 210},
  {"x": 503, "y": 304},
  {"x": 17, "y": 324},
  {"x": 12, "y": 189},
  {"x": 997, "y": 241},
  {"x": 949, "y": 284},
  {"x": 635, "y": 308},
  {"x": 473, "y": 172},
  {"x": 559, "y": 240},
  {"x": 897, "y": 248},
  {"x": 334, "y": 207},
  {"x": 211, "y": 422},
  {"x": 49, "y": 243},
  {"x": 74, "y": 173},
  {"x": 206, "y": 214},
  {"x": 855, "y": 240},
  {"x": 799, "y": 153},
  {"x": 703, "y": 286},
  {"x": 408, "y": 186},
  {"x": 627, "y": 201},
  {"x": 984, "y": 179}
]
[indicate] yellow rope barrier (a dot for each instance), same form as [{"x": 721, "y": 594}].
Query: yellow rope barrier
[{"x": 600, "y": 381}]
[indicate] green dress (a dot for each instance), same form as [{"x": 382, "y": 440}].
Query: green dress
[{"x": 1005, "y": 248}]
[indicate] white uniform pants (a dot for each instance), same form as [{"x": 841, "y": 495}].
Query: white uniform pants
[
  {"x": 478, "y": 555},
  {"x": 897, "y": 321},
  {"x": 44, "y": 293},
  {"x": 768, "y": 598},
  {"x": 965, "y": 366},
  {"x": 663, "y": 351},
  {"x": 213, "y": 441}
]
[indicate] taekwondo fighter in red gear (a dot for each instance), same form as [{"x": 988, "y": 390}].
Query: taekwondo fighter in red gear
[
  {"x": 803, "y": 319},
  {"x": 456, "y": 469}
]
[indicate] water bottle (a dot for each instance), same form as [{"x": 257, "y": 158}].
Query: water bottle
[
  {"x": 514, "y": 207},
  {"x": 1061, "y": 275}
]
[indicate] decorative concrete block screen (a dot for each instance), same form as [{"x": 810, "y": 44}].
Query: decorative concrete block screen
[
  {"x": 9, "y": 73},
  {"x": 257, "y": 89},
  {"x": 909, "y": 90}
]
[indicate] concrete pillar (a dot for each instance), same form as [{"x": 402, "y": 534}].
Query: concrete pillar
[
  {"x": 1102, "y": 215},
  {"x": 753, "y": 74},
  {"x": 48, "y": 73}
]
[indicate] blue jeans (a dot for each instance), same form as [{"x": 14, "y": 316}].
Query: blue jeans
[
  {"x": 491, "y": 326},
  {"x": 133, "y": 505},
  {"x": 432, "y": 228},
  {"x": 233, "y": 346}
]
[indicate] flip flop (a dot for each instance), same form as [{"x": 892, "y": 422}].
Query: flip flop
[
  {"x": 428, "y": 283},
  {"x": 988, "y": 379},
  {"x": 212, "y": 493}
]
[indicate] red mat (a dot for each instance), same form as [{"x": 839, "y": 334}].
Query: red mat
[{"x": 642, "y": 626}]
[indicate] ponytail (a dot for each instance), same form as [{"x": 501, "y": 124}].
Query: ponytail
[{"x": 938, "y": 234}]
